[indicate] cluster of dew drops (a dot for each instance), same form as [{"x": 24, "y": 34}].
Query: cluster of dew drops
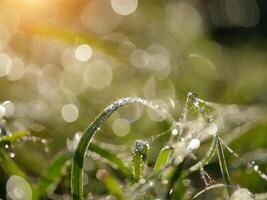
[{"x": 7, "y": 110}]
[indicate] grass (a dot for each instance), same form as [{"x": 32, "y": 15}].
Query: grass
[
  {"x": 139, "y": 184},
  {"x": 169, "y": 169}
]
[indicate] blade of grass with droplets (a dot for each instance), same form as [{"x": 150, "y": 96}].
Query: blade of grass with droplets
[
  {"x": 137, "y": 166},
  {"x": 9, "y": 166},
  {"x": 52, "y": 176},
  {"x": 175, "y": 186},
  {"x": 13, "y": 137},
  {"x": 139, "y": 158},
  {"x": 112, "y": 158},
  {"x": 77, "y": 165},
  {"x": 216, "y": 186},
  {"x": 163, "y": 158},
  {"x": 223, "y": 165}
]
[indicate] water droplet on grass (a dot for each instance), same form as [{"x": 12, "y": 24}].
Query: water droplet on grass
[
  {"x": 9, "y": 108},
  {"x": 194, "y": 144},
  {"x": 18, "y": 188}
]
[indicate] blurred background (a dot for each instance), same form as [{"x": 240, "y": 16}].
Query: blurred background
[{"x": 63, "y": 61}]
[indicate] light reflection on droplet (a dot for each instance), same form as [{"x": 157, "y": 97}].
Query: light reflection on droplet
[
  {"x": 9, "y": 108},
  {"x": 17, "y": 69},
  {"x": 83, "y": 52},
  {"x": 139, "y": 58},
  {"x": 194, "y": 144},
  {"x": 124, "y": 7},
  {"x": 174, "y": 131},
  {"x": 5, "y": 64},
  {"x": 98, "y": 17},
  {"x": 97, "y": 74},
  {"x": 18, "y": 188},
  {"x": 70, "y": 112},
  {"x": 121, "y": 127}
]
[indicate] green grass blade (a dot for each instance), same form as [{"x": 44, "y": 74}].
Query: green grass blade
[
  {"x": 212, "y": 187},
  {"x": 77, "y": 166},
  {"x": 9, "y": 166},
  {"x": 112, "y": 158},
  {"x": 139, "y": 157},
  {"x": 52, "y": 176},
  {"x": 137, "y": 166},
  {"x": 207, "y": 158},
  {"x": 112, "y": 184},
  {"x": 13, "y": 137},
  {"x": 163, "y": 158},
  {"x": 223, "y": 165}
]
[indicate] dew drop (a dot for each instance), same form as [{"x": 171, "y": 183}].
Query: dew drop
[
  {"x": 212, "y": 129},
  {"x": 194, "y": 144},
  {"x": 12, "y": 154},
  {"x": 9, "y": 108},
  {"x": 174, "y": 131},
  {"x": 18, "y": 188}
]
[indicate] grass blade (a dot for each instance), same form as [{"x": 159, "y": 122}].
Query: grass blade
[
  {"x": 112, "y": 158},
  {"x": 77, "y": 166},
  {"x": 52, "y": 176},
  {"x": 223, "y": 165},
  {"x": 139, "y": 157},
  {"x": 9, "y": 166},
  {"x": 13, "y": 137},
  {"x": 163, "y": 158},
  {"x": 111, "y": 183}
]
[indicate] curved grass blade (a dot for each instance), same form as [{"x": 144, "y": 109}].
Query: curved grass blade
[
  {"x": 216, "y": 186},
  {"x": 52, "y": 176},
  {"x": 9, "y": 166},
  {"x": 207, "y": 158},
  {"x": 112, "y": 158},
  {"x": 77, "y": 166},
  {"x": 163, "y": 158}
]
